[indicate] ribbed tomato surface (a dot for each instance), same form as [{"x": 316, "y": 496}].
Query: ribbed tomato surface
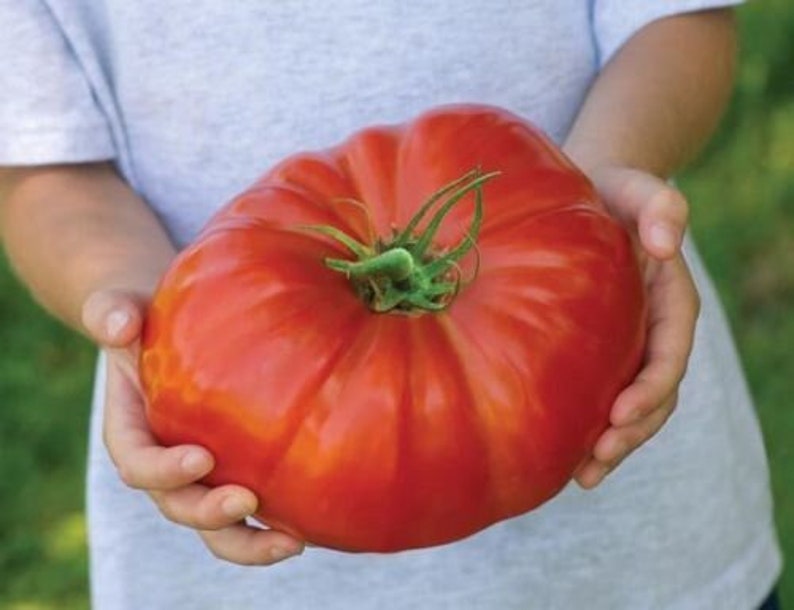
[{"x": 367, "y": 431}]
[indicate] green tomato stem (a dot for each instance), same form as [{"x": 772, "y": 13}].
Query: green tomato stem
[
  {"x": 397, "y": 265},
  {"x": 407, "y": 275}
]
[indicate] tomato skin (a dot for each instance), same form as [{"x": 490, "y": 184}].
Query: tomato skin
[{"x": 362, "y": 431}]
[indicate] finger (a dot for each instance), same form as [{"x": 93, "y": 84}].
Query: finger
[
  {"x": 142, "y": 463},
  {"x": 616, "y": 444},
  {"x": 673, "y": 312},
  {"x": 201, "y": 508},
  {"x": 662, "y": 222},
  {"x": 658, "y": 210},
  {"x": 113, "y": 318},
  {"x": 246, "y": 545},
  {"x": 591, "y": 474}
]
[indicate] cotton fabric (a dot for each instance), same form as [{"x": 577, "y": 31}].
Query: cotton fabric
[{"x": 194, "y": 99}]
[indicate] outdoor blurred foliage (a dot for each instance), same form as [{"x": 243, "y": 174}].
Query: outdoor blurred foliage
[{"x": 742, "y": 197}]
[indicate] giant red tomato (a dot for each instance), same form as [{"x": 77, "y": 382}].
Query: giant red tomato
[{"x": 380, "y": 381}]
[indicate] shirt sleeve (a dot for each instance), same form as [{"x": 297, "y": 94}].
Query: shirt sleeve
[
  {"x": 48, "y": 111},
  {"x": 615, "y": 21}
]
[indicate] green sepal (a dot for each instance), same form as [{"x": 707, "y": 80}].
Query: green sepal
[{"x": 403, "y": 275}]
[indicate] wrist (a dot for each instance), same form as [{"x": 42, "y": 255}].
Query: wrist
[
  {"x": 70, "y": 232},
  {"x": 659, "y": 98},
  {"x": 595, "y": 157}
]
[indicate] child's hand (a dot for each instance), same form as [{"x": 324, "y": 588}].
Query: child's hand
[
  {"x": 657, "y": 213},
  {"x": 114, "y": 319}
]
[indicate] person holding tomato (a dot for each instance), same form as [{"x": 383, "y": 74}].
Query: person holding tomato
[{"x": 125, "y": 126}]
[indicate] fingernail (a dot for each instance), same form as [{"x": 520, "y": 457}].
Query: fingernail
[
  {"x": 194, "y": 463},
  {"x": 278, "y": 553},
  {"x": 236, "y": 507},
  {"x": 664, "y": 237},
  {"x": 115, "y": 322}
]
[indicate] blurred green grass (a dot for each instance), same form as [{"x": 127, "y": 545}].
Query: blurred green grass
[
  {"x": 742, "y": 199},
  {"x": 742, "y": 196},
  {"x": 44, "y": 388}
]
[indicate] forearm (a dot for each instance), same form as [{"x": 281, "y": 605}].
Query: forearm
[
  {"x": 660, "y": 97},
  {"x": 71, "y": 230}
]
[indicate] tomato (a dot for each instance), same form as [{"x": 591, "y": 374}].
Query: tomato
[{"x": 379, "y": 407}]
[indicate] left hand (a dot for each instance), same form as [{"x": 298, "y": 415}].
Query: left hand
[{"x": 656, "y": 215}]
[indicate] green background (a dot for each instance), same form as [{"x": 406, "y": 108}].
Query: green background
[{"x": 742, "y": 197}]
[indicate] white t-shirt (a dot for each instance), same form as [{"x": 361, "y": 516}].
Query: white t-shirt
[{"x": 195, "y": 98}]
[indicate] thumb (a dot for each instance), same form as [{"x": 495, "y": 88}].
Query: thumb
[
  {"x": 113, "y": 318},
  {"x": 656, "y": 208}
]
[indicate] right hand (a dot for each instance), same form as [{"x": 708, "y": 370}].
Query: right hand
[
  {"x": 645, "y": 204},
  {"x": 114, "y": 319}
]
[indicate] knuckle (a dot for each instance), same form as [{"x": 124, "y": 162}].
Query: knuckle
[
  {"x": 653, "y": 424},
  {"x": 674, "y": 201},
  {"x": 634, "y": 438},
  {"x": 648, "y": 378},
  {"x": 684, "y": 372},
  {"x": 613, "y": 449},
  {"x": 218, "y": 550},
  {"x": 215, "y": 550},
  {"x": 631, "y": 436},
  {"x": 225, "y": 550},
  {"x": 624, "y": 447},
  {"x": 641, "y": 436},
  {"x": 681, "y": 206},
  {"x": 668, "y": 204},
  {"x": 167, "y": 509},
  {"x": 667, "y": 407},
  {"x": 696, "y": 303},
  {"x": 128, "y": 475},
  {"x": 250, "y": 561},
  {"x": 178, "y": 508},
  {"x": 612, "y": 464},
  {"x": 208, "y": 517},
  {"x": 108, "y": 442}
]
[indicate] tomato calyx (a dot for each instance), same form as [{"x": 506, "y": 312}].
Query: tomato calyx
[{"x": 408, "y": 274}]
